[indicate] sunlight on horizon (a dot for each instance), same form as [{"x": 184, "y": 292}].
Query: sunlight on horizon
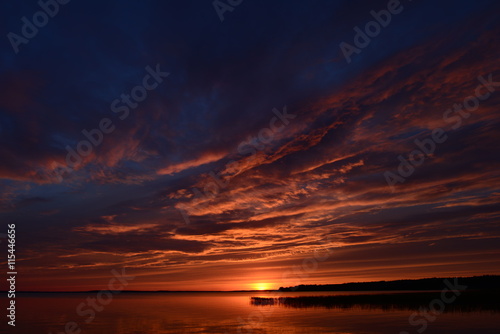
[{"x": 262, "y": 286}]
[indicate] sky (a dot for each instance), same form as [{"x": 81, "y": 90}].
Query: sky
[{"x": 242, "y": 147}]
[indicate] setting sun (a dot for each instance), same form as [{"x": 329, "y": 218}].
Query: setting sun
[{"x": 262, "y": 286}]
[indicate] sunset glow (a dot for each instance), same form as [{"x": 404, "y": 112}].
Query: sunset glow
[{"x": 262, "y": 286}]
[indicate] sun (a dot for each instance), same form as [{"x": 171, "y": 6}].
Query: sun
[{"x": 261, "y": 286}]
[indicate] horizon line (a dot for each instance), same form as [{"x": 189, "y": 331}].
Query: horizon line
[{"x": 267, "y": 290}]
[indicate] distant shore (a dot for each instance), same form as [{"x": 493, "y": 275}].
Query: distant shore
[{"x": 425, "y": 284}]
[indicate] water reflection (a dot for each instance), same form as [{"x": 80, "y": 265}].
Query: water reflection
[
  {"x": 464, "y": 301},
  {"x": 226, "y": 313}
]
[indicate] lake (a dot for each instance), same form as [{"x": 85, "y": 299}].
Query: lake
[{"x": 226, "y": 312}]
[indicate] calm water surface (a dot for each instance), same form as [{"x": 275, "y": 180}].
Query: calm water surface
[{"x": 224, "y": 313}]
